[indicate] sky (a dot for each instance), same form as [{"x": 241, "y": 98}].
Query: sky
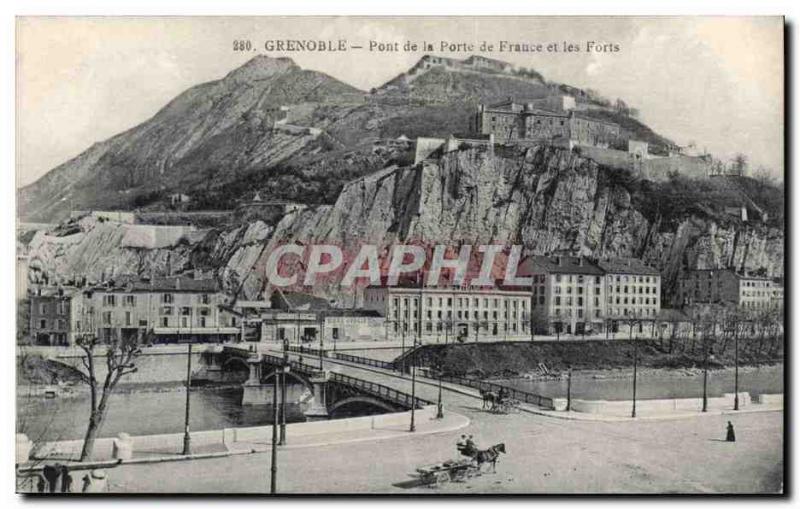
[{"x": 717, "y": 81}]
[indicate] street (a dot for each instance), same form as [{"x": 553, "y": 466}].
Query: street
[{"x": 545, "y": 455}]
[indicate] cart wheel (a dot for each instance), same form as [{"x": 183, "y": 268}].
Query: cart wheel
[{"x": 442, "y": 477}]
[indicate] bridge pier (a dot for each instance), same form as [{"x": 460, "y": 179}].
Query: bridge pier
[
  {"x": 319, "y": 405},
  {"x": 255, "y": 392}
]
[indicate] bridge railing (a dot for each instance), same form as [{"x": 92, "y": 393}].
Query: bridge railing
[
  {"x": 364, "y": 360},
  {"x": 483, "y": 385},
  {"x": 307, "y": 350},
  {"x": 379, "y": 390}
]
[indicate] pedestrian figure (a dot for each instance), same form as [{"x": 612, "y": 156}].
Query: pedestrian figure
[
  {"x": 51, "y": 474},
  {"x": 461, "y": 444},
  {"x": 41, "y": 484},
  {"x": 66, "y": 480},
  {"x": 87, "y": 481},
  {"x": 469, "y": 448},
  {"x": 731, "y": 434}
]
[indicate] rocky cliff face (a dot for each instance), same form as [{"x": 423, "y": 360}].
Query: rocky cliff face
[{"x": 549, "y": 200}]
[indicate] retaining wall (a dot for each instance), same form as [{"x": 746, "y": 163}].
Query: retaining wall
[
  {"x": 656, "y": 406},
  {"x": 173, "y": 442}
]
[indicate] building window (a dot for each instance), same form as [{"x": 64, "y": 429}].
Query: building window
[
  {"x": 164, "y": 321},
  {"x": 107, "y": 317},
  {"x": 110, "y": 300},
  {"x": 186, "y": 311},
  {"x": 129, "y": 301},
  {"x": 42, "y": 324},
  {"x": 166, "y": 298},
  {"x": 204, "y": 298},
  {"x": 166, "y": 310}
]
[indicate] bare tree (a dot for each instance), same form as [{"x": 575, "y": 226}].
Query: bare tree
[
  {"x": 120, "y": 356},
  {"x": 740, "y": 162}
]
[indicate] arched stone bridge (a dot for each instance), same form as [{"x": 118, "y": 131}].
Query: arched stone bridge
[{"x": 332, "y": 392}]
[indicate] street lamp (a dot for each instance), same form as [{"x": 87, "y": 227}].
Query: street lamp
[
  {"x": 635, "y": 365},
  {"x": 413, "y": 427},
  {"x": 736, "y": 368},
  {"x": 274, "y": 463},
  {"x": 282, "y": 440},
  {"x": 705, "y": 373},
  {"x": 439, "y": 409},
  {"x": 187, "y": 438},
  {"x": 569, "y": 389}
]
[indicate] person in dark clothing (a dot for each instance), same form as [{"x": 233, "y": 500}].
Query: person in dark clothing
[
  {"x": 41, "y": 484},
  {"x": 66, "y": 480},
  {"x": 731, "y": 434},
  {"x": 51, "y": 474}
]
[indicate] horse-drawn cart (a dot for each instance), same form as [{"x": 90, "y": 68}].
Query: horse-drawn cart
[{"x": 451, "y": 470}]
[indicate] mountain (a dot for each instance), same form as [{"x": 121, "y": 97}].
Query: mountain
[
  {"x": 549, "y": 200},
  {"x": 209, "y": 132},
  {"x": 273, "y": 127}
]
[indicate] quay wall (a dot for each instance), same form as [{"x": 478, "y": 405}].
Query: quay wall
[{"x": 172, "y": 443}]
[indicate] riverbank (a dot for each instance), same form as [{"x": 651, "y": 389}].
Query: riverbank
[{"x": 513, "y": 359}]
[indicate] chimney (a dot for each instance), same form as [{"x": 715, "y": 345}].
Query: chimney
[
  {"x": 580, "y": 261},
  {"x": 178, "y": 283}
]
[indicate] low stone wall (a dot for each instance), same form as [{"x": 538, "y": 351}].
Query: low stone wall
[
  {"x": 657, "y": 406},
  {"x": 172, "y": 443}
]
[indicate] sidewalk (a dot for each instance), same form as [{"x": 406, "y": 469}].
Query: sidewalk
[{"x": 424, "y": 425}]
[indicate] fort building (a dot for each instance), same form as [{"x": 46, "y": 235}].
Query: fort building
[{"x": 544, "y": 121}]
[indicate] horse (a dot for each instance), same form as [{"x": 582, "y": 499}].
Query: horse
[
  {"x": 490, "y": 455},
  {"x": 489, "y": 398}
]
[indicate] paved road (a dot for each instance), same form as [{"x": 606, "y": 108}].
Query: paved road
[{"x": 545, "y": 455}]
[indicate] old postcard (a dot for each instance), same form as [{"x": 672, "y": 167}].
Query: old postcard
[{"x": 400, "y": 255}]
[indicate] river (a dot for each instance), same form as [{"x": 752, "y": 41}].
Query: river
[
  {"x": 658, "y": 384},
  {"x": 143, "y": 413}
]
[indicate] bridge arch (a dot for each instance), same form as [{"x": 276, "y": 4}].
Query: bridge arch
[
  {"x": 236, "y": 365},
  {"x": 361, "y": 400},
  {"x": 303, "y": 380}
]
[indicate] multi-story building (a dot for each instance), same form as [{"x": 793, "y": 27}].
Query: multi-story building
[
  {"x": 161, "y": 309},
  {"x": 52, "y": 316},
  {"x": 725, "y": 285},
  {"x": 451, "y": 312},
  {"x": 164, "y": 309},
  {"x": 633, "y": 289},
  {"x": 511, "y": 121},
  {"x": 577, "y": 295},
  {"x": 568, "y": 294}
]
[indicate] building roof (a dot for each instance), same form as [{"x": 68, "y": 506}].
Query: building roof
[
  {"x": 731, "y": 271},
  {"x": 559, "y": 265},
  {"x": 626, "y": 266},
  {"x": 298, "y": 301},
  {"x": 161, "y": 284}
]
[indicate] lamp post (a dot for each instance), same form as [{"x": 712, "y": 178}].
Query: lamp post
[
  {"x": 274, "y": 463},
  {"x": 705, "y": 375},
  {"x": 569, "y": 389},
  {"x": 736, "y": 368},
  {"x": 403, "y": 349},
  {"x": 413, "y": 427},
  {"x": 439, "y": 408},
  {"x": 635, "y": 365},
  {"x": 282, "y": 440},
  {"x": 187, "y": 438}
]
